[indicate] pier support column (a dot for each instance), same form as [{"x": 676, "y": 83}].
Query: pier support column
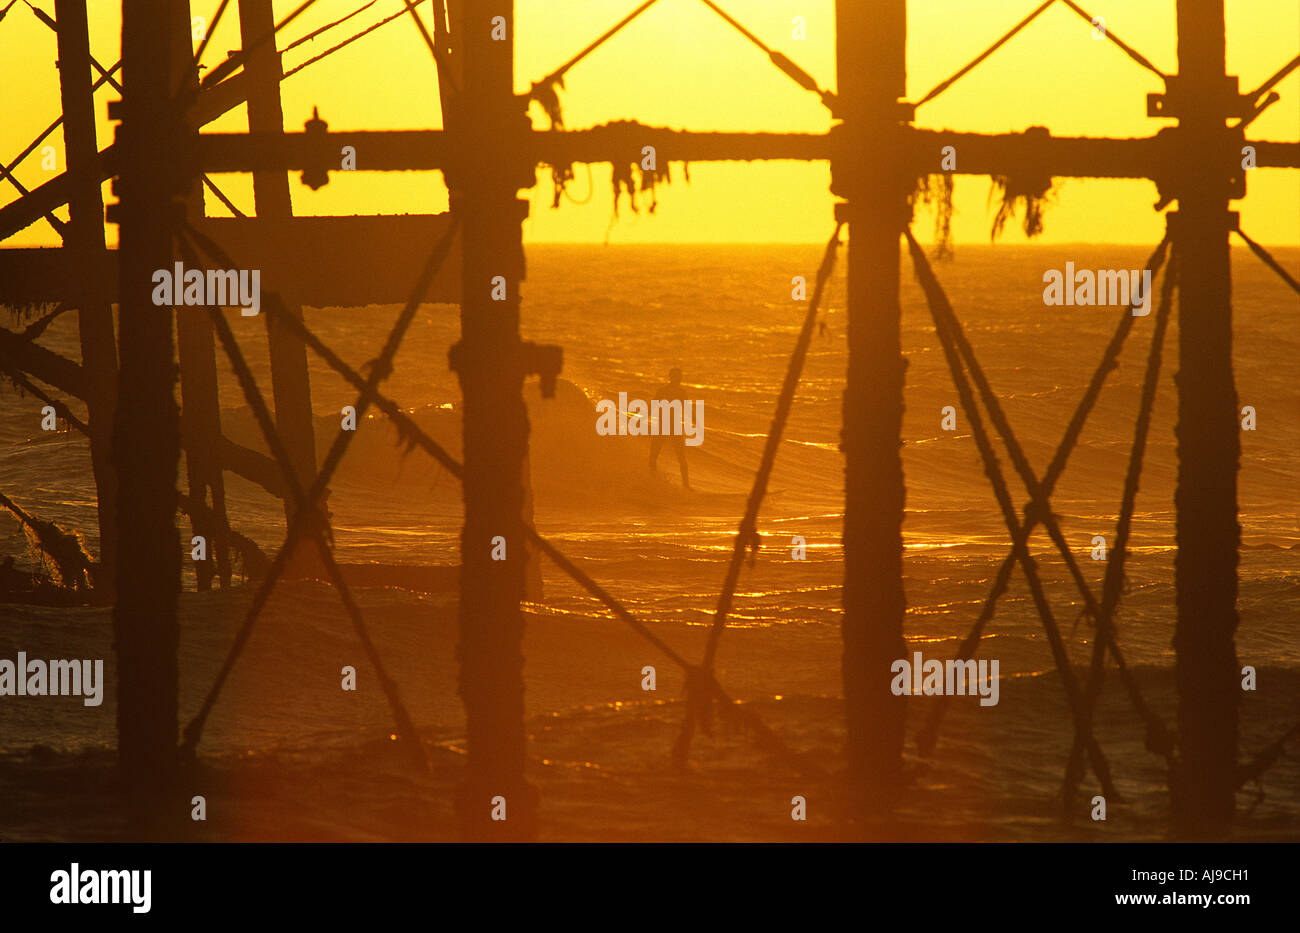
[
  {"x": 290, "y": 383},
  {"x": 490, "y": 362},
  {"x": 1209, "y": 442},
  {"x": 196, "y": 347},
  {"x": 871, "y": 47},
  {"x": 86, "y": 241},
  {"x": 146, "y": 438}
]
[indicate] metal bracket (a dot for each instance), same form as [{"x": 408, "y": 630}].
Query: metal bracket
[
  {"x": 1177, "y": 104},
  {"x": 316, "y": 175}
]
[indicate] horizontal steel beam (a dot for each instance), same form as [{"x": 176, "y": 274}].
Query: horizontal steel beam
[
  {"x": 212, "y": 103},
  {"x": 320, "y": 262},
  {"x": 34, "y": 275},
  {"x": 325, "y": 262},
  {"x": 376, "y": 151},
  {"x": 977, "y": 153},
  {"x": 1035, "y": 150}
]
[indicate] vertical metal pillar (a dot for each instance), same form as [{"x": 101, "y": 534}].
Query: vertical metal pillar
[
  {"x": 1209, "y": 445},
  {"x": 290, "y": 384},
  {"x": 196, "y": 346},
  {"x": 490, "y": 362},
  {"x": 871, "y": 52},
  {"x": 86, "y": 241},
  {"x": 146, "y": 439}
]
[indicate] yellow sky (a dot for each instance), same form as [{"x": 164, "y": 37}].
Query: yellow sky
[{"x": 681, "y": 66}]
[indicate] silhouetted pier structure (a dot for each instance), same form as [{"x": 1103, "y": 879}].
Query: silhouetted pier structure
[{"x": 488, "y": 152}]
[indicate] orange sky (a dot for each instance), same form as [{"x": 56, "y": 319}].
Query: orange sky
[{"x": 679, "y": 65}]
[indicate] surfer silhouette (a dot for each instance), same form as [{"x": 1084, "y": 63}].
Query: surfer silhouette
[{"x": 671, "y": 391}]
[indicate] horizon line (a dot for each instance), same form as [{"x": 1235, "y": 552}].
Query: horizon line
[{"x": 955, "y": 243}]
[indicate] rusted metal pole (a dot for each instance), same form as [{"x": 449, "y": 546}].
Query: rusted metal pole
[
  {"x": 489, "y": 360},
  {"x": 1209, "y": 445},
  {"x": 146, "y": 438},
  {"x": 871, "y": 51},
  {"x": 196, "y": 347},
  {"x": 86, "y": 242},
  {"x": 290, "y": 383}
]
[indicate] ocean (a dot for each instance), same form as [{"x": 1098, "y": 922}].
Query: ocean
[{"x": 624, "y": 315}]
